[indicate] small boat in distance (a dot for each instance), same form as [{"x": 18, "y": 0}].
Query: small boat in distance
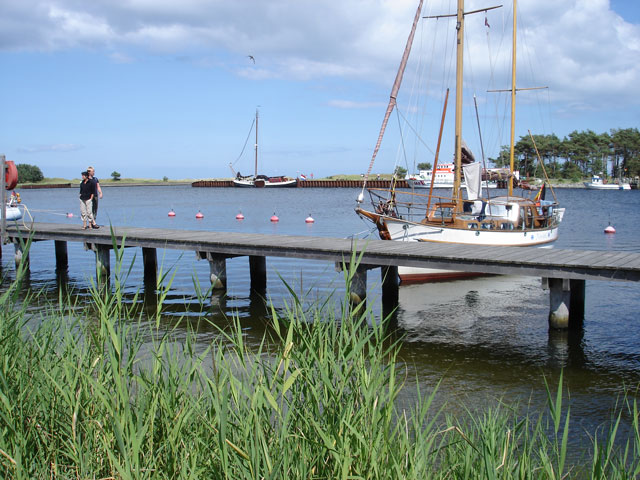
[
  {"x": 444, "y": 178},
  {"x": 260, "y": 181},
  {"x": 598, "y": 183}
]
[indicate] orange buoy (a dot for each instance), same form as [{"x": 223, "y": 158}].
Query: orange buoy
[
  {"x": 610, "y": 229},
  {"x": 274, "y": 218},
  {"x": 199, "y": 214},
  {"x": 309, "y": 219},
  {"x": 240, "y": 216},
  {"x": 11, "y": 175},
  {"x": 171, "y": 213}
]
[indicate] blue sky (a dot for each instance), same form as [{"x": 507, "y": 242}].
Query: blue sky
[{"x": 154, "y": 88}]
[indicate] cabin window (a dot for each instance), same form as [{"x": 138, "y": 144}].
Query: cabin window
[
  {"x": 472, "y": 226},
  {"x": 487, "y": 225},
  {"x": 506, "y": 226}
]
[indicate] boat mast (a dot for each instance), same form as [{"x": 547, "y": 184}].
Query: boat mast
[
  {"x": 513, "y": 100},
  {"x": 255, "y": 174},
  {"x": 457, "y": 193},
  {"x": 393, "y": 96}
]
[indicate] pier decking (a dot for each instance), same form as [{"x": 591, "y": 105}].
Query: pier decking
[{"x": 566, "y": 270}]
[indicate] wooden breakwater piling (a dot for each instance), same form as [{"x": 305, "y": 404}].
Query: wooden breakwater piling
[{"x": 314, "y": 183}]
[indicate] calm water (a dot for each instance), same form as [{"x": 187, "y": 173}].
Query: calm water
[{"x": 487, "y": 338}]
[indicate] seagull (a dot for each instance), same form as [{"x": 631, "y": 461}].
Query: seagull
[{"x": 252, "y": 59}]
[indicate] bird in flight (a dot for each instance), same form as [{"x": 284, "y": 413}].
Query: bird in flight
[{"x": 252, "y": 59}]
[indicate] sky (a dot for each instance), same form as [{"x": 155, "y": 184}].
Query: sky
[{"x": 155, "y": 88}]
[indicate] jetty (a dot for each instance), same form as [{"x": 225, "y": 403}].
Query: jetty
[{"x": 563, "y": 272}]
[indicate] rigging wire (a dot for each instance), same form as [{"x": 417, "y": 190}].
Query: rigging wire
[{"x": 245, "y": 143}]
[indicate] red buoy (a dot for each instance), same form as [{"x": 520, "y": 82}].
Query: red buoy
[
  {"x": 199, "y": 214},
  {"x": 610, "y": 229},
  {"x": 274, "y": 218},
  {"x": 240, "y": 216},
  {"x": 309, "y": 219},
  {"x": 171, "y": 213}
]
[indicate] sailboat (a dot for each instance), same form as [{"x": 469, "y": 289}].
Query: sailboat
[
  {"x": 260, "y": 181},
  {"x": 474, "y": 219}
]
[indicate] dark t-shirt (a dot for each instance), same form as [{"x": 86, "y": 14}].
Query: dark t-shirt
[
  {"x": 87, "y": 189},
  {"x": 95, "y": 183}
]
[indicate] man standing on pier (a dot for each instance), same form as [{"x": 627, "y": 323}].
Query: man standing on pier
[{"x": 98, "y": 193}]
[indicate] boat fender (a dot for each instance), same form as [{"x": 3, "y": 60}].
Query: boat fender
[{"x": 11, "y": 175}]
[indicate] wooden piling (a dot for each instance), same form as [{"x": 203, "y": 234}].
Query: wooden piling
[
  {"x": 103, "y": 264},
  {"x": 258, "y": 273},
  {"x": 358, "y": 287},
  {"x": 576, "y": 303},
  {"x": 217, "y": 269},
  {"x": 62, "y": 257},
  {"x": 150, "y": 263},
  {"x": 20, "y": 254},
  {"x": 559, "y": 302},
  {"x": 390, "y": 288}
]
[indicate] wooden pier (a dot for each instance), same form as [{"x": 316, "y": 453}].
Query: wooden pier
[{"x": 563, "y": 271}]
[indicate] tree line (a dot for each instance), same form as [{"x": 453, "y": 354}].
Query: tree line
[{"x": 578, "y": 155}]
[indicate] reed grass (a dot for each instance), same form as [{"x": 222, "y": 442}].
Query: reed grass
[{"x": 86, "y": 394}]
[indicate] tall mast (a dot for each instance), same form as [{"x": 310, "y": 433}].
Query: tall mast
[
  {"x": 394, "y": 94},
  {"x": 458, "y": 139},
  {"x": 255, "y": 174},
  {"x": 513, "y": 100}
]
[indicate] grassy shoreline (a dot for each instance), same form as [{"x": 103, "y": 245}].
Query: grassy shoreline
[
  {"x": 84, "y": 393},
  {"x": 129, "y": 182}
]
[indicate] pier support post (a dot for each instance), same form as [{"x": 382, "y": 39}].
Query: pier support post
[
  {"x": 566, "y": 302},
  {"x": 20, "y": 254},
  {"x": 217, "y": 269},
  {"x": 576, "y": 304},
  {"x": 390, "y": 288},
  {"x": 150, "y": 263},
  {"x": 103, "y": 264},
  {"x": 62, "y": 258},
  {"x": 559, "y": 302},
  {"x": 258, "y": 272},
  {"x": 358, "y": 290}
]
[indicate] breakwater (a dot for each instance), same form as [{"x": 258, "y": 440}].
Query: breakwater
[{"x": 313, "y": 183}]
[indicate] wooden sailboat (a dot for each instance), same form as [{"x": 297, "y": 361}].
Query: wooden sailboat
[
  {"x": 260, "y": 181},
  {"x": 506, "y": 220}
]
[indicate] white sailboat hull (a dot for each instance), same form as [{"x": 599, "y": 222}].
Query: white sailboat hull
[
  {"x": 251, "y": 183},
  {"x": 417, "y": 232},
  {"x": 402, "y": 230}
]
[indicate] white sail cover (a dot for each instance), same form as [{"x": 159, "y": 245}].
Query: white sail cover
[{"x": 473, "y": 179}]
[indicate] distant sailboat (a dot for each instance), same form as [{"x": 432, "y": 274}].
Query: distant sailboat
[
  {"x": 260, "y": 181},
  {"x": 506, "y": 220}
]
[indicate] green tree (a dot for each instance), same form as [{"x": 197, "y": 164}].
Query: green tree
[
  {"x": 115, "y": 175},
  {"x": 400, "y": 172},
  {"x": 626, "y": 151},
  {"x": 424, "y": 166},
  {"x": 29, "y": 173}
]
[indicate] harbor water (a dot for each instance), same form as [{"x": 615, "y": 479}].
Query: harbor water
[{"x": 486, "y": 339}]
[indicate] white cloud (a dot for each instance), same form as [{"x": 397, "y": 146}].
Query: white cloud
[
  {"x": 580, "y": 48},
  {"x": 59, "y": 147}
]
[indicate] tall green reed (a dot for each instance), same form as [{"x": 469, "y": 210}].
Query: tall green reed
[{"x": 99, "y": 391}]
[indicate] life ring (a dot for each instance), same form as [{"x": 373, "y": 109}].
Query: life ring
[{"x": 11, "y": 175}]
